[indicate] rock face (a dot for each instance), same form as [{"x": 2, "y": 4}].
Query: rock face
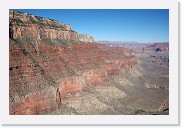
[
  {"x": 41, "y": 80},
  {"x": 44, "y": 71},
  {"x": 86, "y": 38},
  {"x": 26, "y": 26},
  {"x": 53, "y": 70}
]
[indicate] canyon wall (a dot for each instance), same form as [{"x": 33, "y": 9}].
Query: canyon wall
[
  {"x": 43, "y": 72},
  {"x": 26, "y": 26}
]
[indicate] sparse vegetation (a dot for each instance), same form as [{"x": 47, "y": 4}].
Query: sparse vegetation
[
  {"x": 68, "y": 108},
  {"x": 56, "y": 26},
  {"x": 41, "y": 55},
  {"x": 76, "y": 42},
  {"x": 20, "y": 43},
  {"x": 40, "y": 22},
  {"x": 33, "y": 42},
  {"x": 36, "y": 22},
  {"x": 56, "y": 42},
  {"x": 138, "y": 111},
  {"x": 49, "y": 79},
  {"x": 70, "y": 71},
  {"x": 18, "y": 22}
]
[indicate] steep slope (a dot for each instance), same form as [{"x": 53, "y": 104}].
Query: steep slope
[{"x": 48, "y": 63}]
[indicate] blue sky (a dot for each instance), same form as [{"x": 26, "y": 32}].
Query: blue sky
[{"x": 142, "y": 25}]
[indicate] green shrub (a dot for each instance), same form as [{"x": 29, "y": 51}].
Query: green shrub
[
  {"x": 138, "y": 111},
  {"x": 20, "y": 43},
  {"x": 18, "y": 22}
]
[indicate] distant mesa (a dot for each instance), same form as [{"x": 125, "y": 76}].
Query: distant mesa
[{"x": 159, "y": 47}]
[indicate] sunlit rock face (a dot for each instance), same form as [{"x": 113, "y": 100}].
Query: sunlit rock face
[
  {"x": 26, "y": 26},
  {"x": 86, "y": 38}
]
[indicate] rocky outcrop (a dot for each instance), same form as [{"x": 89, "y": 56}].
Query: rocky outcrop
[
  {"x": 30, "y": 27},
  {"x": 86, "y": 38}
]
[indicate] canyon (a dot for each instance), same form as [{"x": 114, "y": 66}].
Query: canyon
[{"x": 54, "y": 70}]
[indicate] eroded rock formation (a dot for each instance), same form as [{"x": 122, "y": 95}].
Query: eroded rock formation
[
  {"x": 53, "y": 70},
  {"x": 44, "y": 71},
  {"x": 33, "y": 28},
  {"x": 70, "y": 70}
]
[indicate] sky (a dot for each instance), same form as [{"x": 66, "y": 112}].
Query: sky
[{"x": 142, "y": 25}]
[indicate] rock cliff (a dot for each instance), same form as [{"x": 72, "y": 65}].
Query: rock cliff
[
  {"x": 33, "y": 28},
  {"x": 44, "y": 73},
  {"x": 86, "y": 38}
]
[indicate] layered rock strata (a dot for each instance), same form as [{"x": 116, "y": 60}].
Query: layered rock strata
[
  {"x": 44, "y": 70},
  {"x": 59, "y": 71},
  {"x": 26, "y": 26}
]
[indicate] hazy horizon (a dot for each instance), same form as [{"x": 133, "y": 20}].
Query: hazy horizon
[
  {"x": 140, "y": 25},
  {"x": 126, "y": 41}
]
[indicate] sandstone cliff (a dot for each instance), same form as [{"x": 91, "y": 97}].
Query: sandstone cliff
[
  {"x": 86, "y": 38},
  {"x": 32, "y": 28}
]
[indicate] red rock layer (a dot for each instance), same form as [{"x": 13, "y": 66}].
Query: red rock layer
[
  {"x": 46, "y": 63},
  {"x": 40, "y": 80}
]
